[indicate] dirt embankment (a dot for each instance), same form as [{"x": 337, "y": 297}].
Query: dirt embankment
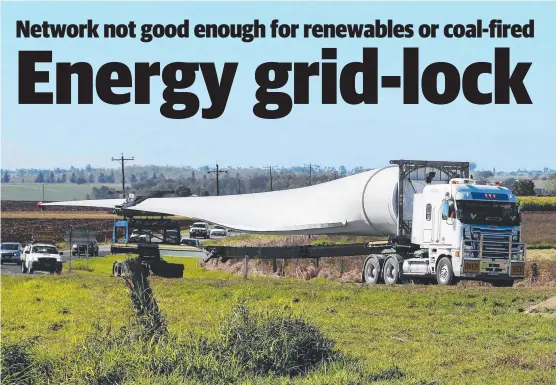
[{"x": 539, "y": 226}]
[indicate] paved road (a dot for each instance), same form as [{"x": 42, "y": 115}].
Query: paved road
[{"x": 104, "y": 250}]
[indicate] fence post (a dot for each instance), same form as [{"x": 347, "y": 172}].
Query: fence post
[
  {"x": 70, "y": 250},
  {"x": 274, "y": 266},
  {"x": 245, "y": 266}
]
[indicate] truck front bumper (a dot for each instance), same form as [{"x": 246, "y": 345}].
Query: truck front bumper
[{"x": 493, "y": 269}]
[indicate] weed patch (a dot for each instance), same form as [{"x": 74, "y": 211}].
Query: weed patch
[{"x": 247, "y": 346}]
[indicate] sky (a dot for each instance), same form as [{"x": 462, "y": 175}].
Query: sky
[{"x": 505, "y": 137}]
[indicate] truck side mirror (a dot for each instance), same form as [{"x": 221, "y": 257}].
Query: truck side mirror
[
  {"x": 445, "y": 210},
  {"x": 61, "y": 253}
]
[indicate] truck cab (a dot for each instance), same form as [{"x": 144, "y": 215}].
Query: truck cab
[{"x": 466, "y": 230}]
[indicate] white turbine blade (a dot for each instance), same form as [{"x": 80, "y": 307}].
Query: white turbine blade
[
  {"x": 335, "y": 207},
  {"x": 361, "y": 204},
  {"x": 100, "y": 203}
]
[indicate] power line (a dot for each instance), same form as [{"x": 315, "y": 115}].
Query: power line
[
  {"x": 122, "y": 160},
  {"x": 217, "y": 171}
]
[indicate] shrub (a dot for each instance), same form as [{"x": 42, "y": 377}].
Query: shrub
[{"x": 274, "y": 344}]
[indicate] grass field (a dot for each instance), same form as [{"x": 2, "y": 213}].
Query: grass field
[
  {"x": 537, "y": 203},
  {"x": 52, "y": 191},
  {"x": 408, "y": 334}
]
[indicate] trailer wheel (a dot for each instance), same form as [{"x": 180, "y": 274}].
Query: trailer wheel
[
  {"x": 391, "y": 271},
  {"x": 371, "y": 271},
  {"x": 445, "y": 272}
]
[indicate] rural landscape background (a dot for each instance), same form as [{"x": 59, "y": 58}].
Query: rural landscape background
[
  {"x": 88, "y": 182},
  {"x": 310, "y": 323}
]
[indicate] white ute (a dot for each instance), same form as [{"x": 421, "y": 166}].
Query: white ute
[
  {"x": 41, "y": 257},
  {"x": 218, "y": 231}
]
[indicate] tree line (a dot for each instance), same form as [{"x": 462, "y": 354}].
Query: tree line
[
  {"x": 205, "y": 184},
  {"x": 75, "y": 177}
]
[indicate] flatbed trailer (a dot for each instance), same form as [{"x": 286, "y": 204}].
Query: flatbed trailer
[{"x": 164, "y": 249}]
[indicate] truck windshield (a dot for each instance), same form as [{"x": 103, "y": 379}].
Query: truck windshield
[
  {"x": 10, "y": 246},
  {"x": 487, "y": 213}
]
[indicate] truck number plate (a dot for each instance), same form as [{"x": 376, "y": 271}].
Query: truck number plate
[
  {"x": 471, "y": 266},
  {"x": 518, "y": 269}
]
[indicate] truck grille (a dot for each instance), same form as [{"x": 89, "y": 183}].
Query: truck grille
[{"x": 496, "y": 242}]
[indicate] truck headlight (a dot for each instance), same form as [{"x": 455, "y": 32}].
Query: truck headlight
[
  {"x": 468, "y": 254},
  {"x": 515, "y": 237},
  {"x": 475, "y": 236}
]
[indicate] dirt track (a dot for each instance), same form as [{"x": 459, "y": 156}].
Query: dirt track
[{"x": 546, "y": 308}]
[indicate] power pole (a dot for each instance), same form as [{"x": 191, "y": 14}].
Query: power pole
[
  {"x": 122, "y": 160},
  {"x": 217, "y": 171},
  {"x": 310, "y": 174},
  {"x": 270, "y": 170}
]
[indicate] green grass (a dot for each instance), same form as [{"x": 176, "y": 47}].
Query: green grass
[
  {"x": 58, "y": 310},
  {"x": 417, "y": 334},
  {"x": 52, "y": 192}
]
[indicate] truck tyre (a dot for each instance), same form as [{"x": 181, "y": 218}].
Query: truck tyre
[
  {"x": 371, "y": 271},
  {"x": 391, "y": 271},
  {"x": 445, "y": 272}
]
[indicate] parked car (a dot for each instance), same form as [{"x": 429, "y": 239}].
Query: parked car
[
  {"x": 199, "y": 229},
  {"x": 41, "y": 257},
  {"x": 139, "y": 237},
  {"x": 79, "y": 249},
  {"x": 219, "y": 231},
  {"x": 190, "y": 242},
  {"x": 11, "y": 252}
]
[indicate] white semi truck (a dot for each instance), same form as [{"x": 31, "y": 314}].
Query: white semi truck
[
  {"x": 459, "y": 230},
  {"x": 441, "y": 226}
]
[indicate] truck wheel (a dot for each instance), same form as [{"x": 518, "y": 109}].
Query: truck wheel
[
  {"x": 445, "y": 272},
  {"x": 391, "y": 271},
  {"x": 371, "y": 271}
]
